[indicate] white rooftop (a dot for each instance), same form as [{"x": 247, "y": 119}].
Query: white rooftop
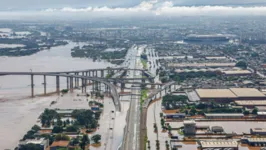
[
  {"x": 189, "y": 122},
  {"x": 218, "y": 143},
  {"x": 35, "y": 141}
]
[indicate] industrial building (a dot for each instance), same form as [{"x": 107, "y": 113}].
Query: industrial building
[
  {"x": 218, "y": 95},
  {"x": 237, "y": 73},
  {"x": 217, "y": 129},
  {"x": 200, "y": 65},
  {"x": 248, "y": 94},
  {"x": 261, "y": 115},
  {"x": 251, "y": 104},
  {"x": 218, "y": 144},
  {"x": 175, "y": 116},
  {"x": 42, "y": 142},
  {"x": 229, "y": 95},
  {"x": 258, "y": 131},
  {"x": 189, "y": 127},
  {"x": 254, "y": 141}
]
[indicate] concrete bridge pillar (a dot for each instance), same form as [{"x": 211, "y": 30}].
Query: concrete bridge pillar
[
  {"x": 32, "y": 85},
  {"x": 123, "y": 86},
  {"x": 93, "y": 86},
  {"x": 77, "y": 80},
  {"x": 102, "y": 73},
  {"x": 71, "y": 84},
  {"x": 100, "y": 86},
  {"x": 85, "y": 87},
  {"x": 83, "y": 82},
  {"x": 89, "y": 76},
  {"x": 106, "y": 88},
  {"x": 57, "y": 85},
  {"x": 86, "y": 73},
  {"x": 115, "y": 83},
  {"x": 67, "y": 83},
  {"x": 160, "y": 94},
  {"x": 44, "y": 84},
  {"x": 82, "y": 85},
  {"x": 142, "y": 80},
  {"x": 170, "y": 88}
]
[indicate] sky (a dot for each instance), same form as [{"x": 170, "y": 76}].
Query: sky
[{"x": 30, "y": 9}]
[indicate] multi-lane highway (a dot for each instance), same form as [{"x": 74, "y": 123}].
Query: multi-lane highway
[{"x": 132, "y": 131}]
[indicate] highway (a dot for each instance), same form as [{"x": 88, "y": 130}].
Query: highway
[{"x": 132, "y": 131}]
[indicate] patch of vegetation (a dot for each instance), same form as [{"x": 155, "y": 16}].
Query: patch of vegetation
[
  {"x": 97, "y": 51},
  {"x": 242, "y": 64},
  {"x": 85, "y": 118},
  {"x": 96, "y": 138},
  {"x": 174, "y": 101},
  {"x": 144, "y": 95},
  {"x": 144, "y": 64}
]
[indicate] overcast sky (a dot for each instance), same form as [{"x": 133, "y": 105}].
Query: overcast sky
[
  {"x": 23, "y": 9},
  {"x": 43, "y": 4}
]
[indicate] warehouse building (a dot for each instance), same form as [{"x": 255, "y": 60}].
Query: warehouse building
[
  {"x": 189, "y": 127},
  {"x": 258, "y": 131},
  {"x": 237, "y": 73},
  {"x": 218, "y": 144},
  {"x": 229, "y": 95},
  {"x": 219, "y": 95},
  {"x": 250, "y": 103},
  {"x": 254, "y": 141},
  {"x": 248, "y": 94},
  {"x": 261, "y": 115}
]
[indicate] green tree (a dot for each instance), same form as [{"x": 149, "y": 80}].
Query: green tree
[
  {"x": 57, "y": 129},
  {"x": 162, "y": 122},
  {"x": 72, "y": 129},
  {"x": 242, "y": 64},
  {"x": 74, "y": 141},
  {"x": 62, "y": 137},
  {"x": 255, "y": 111},
  {"x": 96, "y": 138},
  {"x": 59, "y": 121},
  {"x": 193, "y": 111},
  {"x": 246, "y": 112},
  {"x": 84, "y": 141},
  {"x": 36, "y": 128}
]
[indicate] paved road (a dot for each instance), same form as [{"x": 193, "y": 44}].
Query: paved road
[{"x": 132, "y": 131}]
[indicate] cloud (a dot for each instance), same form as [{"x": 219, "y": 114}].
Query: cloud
[{"x": 145, "y": 8}]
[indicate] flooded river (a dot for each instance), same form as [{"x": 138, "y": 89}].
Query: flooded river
[
  {"x": 56, "y": 59},
  {"x": 18, "y": 113}
]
